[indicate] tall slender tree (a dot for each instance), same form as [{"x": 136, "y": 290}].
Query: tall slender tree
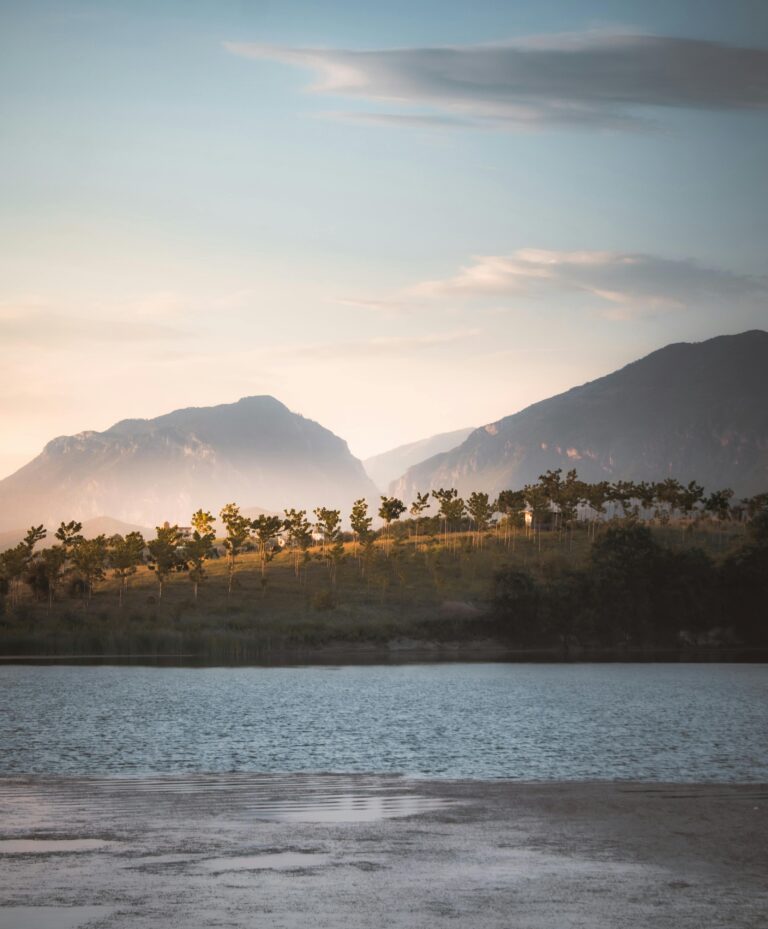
[
  {"x": 89, "y": 559},
  {"x": 13, "y": 564},
  {"x": 53, "y": 560},
  {"x": 419, "y": 505},
  {"x": 238, "y": 535},
  {"x": 267, "y": 530},
  {"x": 360, "y": 522},
  {"x": 480, "y": 511},
  {"x": 298, "y": 532},
  {"x": 390, "y": 510},
  {"x": 166, "y": 554},
  {"x": 199, "y": 548},
  {"x": 445, "y": 498},
  {"x": 328, "y": 526},
  {"x": 125, "y": 556},
  {"x": 511, "y": 503}
]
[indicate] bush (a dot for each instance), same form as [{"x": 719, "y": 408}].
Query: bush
[{"x": 324, "y": 600}]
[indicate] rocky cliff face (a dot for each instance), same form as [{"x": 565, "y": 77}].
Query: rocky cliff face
[
  {"x": 691, "y": 411},
  {"x": 255, "y": 452}
]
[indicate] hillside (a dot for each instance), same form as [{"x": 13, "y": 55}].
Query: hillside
[
  {"x": 255, "y": 452},
  {"x": 692, "y": 411},
  {"x": 390, "y": 465}
]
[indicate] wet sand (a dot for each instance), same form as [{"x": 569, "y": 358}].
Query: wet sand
[{"x": 333, "y": 851}]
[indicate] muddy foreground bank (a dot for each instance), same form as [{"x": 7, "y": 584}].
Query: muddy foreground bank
[{"x": 331, "y": 851}]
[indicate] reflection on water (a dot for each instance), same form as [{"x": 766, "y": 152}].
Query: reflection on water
[
  {"x": 44, "y": 804},
  {"x": 276, "y": 861},
  {"x": 48, "y": 846},
  {"x": 50, "y": 917},
  {"x": 533, "y": 722}
]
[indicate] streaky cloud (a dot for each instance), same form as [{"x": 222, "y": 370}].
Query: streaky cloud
[
  {"x": 591, "y": 79},
  {"x": 405, "y": 120},
  {"x": 623, "y": 284}
]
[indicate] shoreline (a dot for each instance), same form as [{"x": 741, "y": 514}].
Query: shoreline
[
  {"x": 399, "y": 651},
  {"x": 211, "y": 850}
]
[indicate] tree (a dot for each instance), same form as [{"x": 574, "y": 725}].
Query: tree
[
  {"x": 446, "y": 499},
  {"x": 551, "y": 486},
  {"x": 538, "y": 502},
  {"x": 572, "y": 493},
  {"x": 166, "y": 554},
  {"x": 667, "y": 495},
  {"x": 512, "y": 504},
  {"x": 480, "y": 511},
  {"x": 391, "y": 509},
  {"x": 298, "y": 536},
  {"x": 267, "y": 529},
  {"x": 238, "y": 534},
  {"x": 198, "y": 549},
  {"x": 360, "y": 522},
  {"x": 34, "y": 535},
  {"x": 125, "y": 556},
  {"x": 16, "y": 562},
  {"x": 718, "y": 503},
  {"x": 689, "y": 498},
  {"x": 53, "y": 560},
  {"x": 13, "y": 563},
  {"x": 70, "y": 535},
  {"x": 627, "y": 577},
  {"x": 597, "y": 497},
  {"x": 418, "y": 506},
  {"x": 621, "y": 494},
  {"x": 328, "y": 526},
  {"x": 744, "y": 579},
  {"x": 90, "y": 561}
]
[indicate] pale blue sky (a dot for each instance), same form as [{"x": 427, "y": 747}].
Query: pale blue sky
[{"x": 184, "y": 221}]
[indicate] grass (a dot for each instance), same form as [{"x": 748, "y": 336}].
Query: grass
[{"x": 402, "y": 590}]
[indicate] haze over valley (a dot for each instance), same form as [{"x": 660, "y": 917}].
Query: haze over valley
[{"x": 688, "y": 411}]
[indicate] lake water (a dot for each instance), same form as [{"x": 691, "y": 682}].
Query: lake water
[{"x": 663, "y": 722}]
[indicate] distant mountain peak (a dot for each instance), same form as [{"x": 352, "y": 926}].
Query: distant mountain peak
[{"x": 254, "y": 451}]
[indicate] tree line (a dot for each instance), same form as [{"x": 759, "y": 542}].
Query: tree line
[
  {"x": 634, "y": 592},
  {"x": 556, "y": 503}
]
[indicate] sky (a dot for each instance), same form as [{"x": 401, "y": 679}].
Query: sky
[{"x": 398, "y": 219}]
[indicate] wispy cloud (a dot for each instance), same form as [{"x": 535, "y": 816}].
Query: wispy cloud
[
  {"x": 592, "y": 79},
  {"x": 623, "y": 284}
]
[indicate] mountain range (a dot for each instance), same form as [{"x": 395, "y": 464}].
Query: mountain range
[
  {"x": 694, "y": 411},
  {"x": 255, "y": 452}
]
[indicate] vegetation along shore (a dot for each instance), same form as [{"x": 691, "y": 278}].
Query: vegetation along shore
[{"x": 560, "y": 568}]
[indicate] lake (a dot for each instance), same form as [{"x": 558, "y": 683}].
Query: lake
[{"x": 656, "y": 722}]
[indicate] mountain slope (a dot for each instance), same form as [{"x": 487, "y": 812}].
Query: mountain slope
[
  {"x": 386, "y": 467},
  {"x": 255, "y": 452},
  {"x": 693, "y": 411}
]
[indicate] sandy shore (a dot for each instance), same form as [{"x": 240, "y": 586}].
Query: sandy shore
[{"x": 315, "y": 851}]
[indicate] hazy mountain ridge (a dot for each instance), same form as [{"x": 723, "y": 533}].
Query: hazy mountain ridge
[
  {"x": 386, "y": 467},
  {"x": 695, "y": 411},
  {"x": 254, "y": 452}
]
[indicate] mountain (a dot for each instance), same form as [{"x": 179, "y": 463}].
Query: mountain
[
  {"x": 386, "y": 467},
  {"x": 255, "y": 452},
  {"x": 691, "y": 411}
]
